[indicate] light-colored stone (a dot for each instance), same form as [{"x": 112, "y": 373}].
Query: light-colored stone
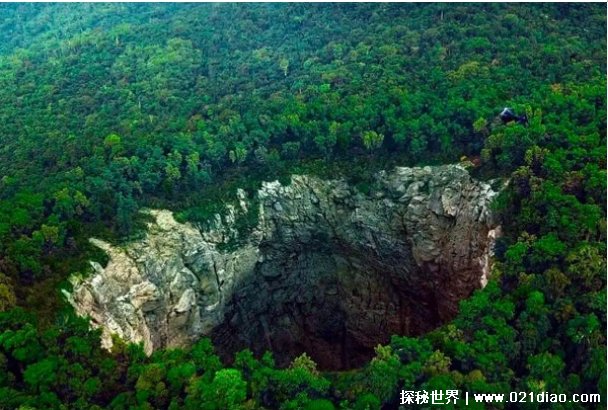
[{"x": 326, "y": 267}]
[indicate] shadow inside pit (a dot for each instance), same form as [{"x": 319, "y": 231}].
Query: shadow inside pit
[{"x": 334, "y": 303}]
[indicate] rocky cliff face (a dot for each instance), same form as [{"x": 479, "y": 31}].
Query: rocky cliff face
[{"x": 326, "y": 269}]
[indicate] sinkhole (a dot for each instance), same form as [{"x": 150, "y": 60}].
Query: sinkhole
[
  {"x": 333, "y": 302},
  {"x": 322, "y": 269}
]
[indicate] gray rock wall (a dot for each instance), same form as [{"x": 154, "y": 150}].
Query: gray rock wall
[{"x": 327, "y": 269}]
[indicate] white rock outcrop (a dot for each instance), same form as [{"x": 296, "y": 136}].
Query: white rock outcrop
[{"x": 322, "y": 268}]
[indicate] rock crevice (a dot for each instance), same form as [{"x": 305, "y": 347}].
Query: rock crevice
[{"x": 326, "y": 269}]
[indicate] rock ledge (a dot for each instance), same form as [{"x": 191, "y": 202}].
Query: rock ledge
[{"x": 326, "y": 269}]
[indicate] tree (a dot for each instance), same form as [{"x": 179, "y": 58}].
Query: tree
[
  {"x": 437, "y": 363},
  {"x": 586, "y": 265},
  {"x": 545, "y": 372},
  {"x": 325, "y": 143},
  {"x": 383, "y": 373},
  {"x": 113, "y": 145},
  {"x": 150, "y": 386},
  {"x": 367, "y": 401},
  {"x": 42, "y": 375},
  {"x": 125, "y": 212},
  {"x": 284, "y": 66},
  {"x": 7, "y": 295},
  {"x": 228, "y": 390},
  {"x": 320, "y": 404},
  {"x": 239, "y": 153},
  {"x": 372, "y": 140}
]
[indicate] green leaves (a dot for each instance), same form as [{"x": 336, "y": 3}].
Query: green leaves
[
  {"x": 545, "y": 372},
  {"x": 239, "y": 153},
  {"x": 227, "y": 391},
  {"x": 41, "y": 375},
  {"x": 113, "y": 144},
  {"x": 372, "y": 140},
  {"x": 582, "y": 329},
  {"x": 22, "y": 344},
  {"x": 7, "y": 294},
  {"x": 106, "y": 109}
]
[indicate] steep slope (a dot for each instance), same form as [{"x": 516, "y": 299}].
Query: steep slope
[{"x": 327, "y": 269}]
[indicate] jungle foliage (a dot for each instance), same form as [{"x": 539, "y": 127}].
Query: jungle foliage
[{"x": 106, "y": 108}]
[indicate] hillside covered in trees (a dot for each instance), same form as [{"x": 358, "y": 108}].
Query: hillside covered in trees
[{"x": 108, "y": 108}]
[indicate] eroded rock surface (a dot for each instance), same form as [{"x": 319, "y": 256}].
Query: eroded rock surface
[{"x": 326, "y": 269}]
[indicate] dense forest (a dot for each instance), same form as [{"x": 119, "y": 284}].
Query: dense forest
[{"x": 108, "y": 108}]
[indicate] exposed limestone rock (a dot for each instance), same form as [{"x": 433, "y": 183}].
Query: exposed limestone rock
[{"x": 327, "y": 269}]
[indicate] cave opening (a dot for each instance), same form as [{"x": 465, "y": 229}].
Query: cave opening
[
  {"x": 327, "y": 270},
  {"x": 330, "y": 301}
]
